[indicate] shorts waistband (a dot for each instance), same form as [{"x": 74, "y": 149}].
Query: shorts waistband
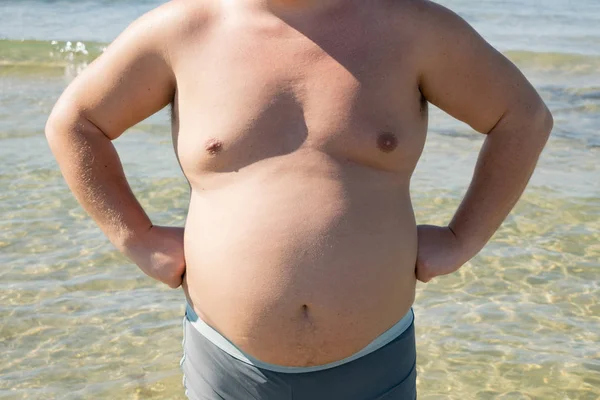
[{"x": 227, "y": 346}]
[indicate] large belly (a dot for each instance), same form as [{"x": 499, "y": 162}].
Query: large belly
[{"x": 301, "y": 264}]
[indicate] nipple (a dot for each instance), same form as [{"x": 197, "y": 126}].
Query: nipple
[
  {"x": 387, "y": 142},
  {"x": 214, "y": 146}
]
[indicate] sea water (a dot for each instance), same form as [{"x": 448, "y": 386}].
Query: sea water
[{"x": 519, "y": 321}]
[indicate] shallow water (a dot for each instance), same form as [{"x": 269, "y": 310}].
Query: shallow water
[{"x": 520, "y": 321}]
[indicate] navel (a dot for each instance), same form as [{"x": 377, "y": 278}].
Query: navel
[
  {"x": 305, "y": 310},
  {"x": 387, "y": 142},
  {"x": 213, "y": 146}
]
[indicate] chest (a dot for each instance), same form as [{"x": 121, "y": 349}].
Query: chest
[{"x": 243, "y": 98}]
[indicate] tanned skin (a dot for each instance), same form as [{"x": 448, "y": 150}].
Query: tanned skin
[{"x": 298, "y": 125}]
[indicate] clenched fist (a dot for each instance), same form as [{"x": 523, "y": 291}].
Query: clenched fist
[
  {"x": 439, "y": 252},
  {"x": 159, "y": 253}
]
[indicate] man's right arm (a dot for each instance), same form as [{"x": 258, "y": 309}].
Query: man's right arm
[{"x": 132, "y": 80}]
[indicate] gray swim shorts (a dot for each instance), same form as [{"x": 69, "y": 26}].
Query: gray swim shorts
[{"x": 215, "y": 369}]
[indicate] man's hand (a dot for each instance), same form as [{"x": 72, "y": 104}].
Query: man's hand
[
  {"x": 159, "y": 253},
  {"x": 439, "y": 252}
]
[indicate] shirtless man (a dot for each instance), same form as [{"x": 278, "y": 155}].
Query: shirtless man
[{"x": 298, "y": 124}]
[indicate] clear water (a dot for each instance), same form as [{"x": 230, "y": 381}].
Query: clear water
[{"x": 520, "y": 321}]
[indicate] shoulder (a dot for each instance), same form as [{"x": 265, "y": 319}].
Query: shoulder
[
  {"x": 420, "y": 31},
  {"x": 164, "y": 28},
  {"x": 186, "y": 16},
  {"x": 177, "y": 17},
  {"x": 435, "y": 32},
  {"x": 422, "y": 25},
  {"x": 426, "y": 16},
  {"x": 438, "y": 21},
  {"x": 137, "y": 68}
]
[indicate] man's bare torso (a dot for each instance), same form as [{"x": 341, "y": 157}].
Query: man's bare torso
[
  {"x": 298, "y": 124},
  {"x": 298, "y": 135}
]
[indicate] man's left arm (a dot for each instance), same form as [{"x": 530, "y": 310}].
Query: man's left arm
[{"x": 466, "y": 77}]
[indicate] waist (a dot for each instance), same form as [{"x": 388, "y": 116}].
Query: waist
[
  {"x": 285, "y": 272},
  {"x": 303, "y": 318},
  {"x": 230, "y": 348}
]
